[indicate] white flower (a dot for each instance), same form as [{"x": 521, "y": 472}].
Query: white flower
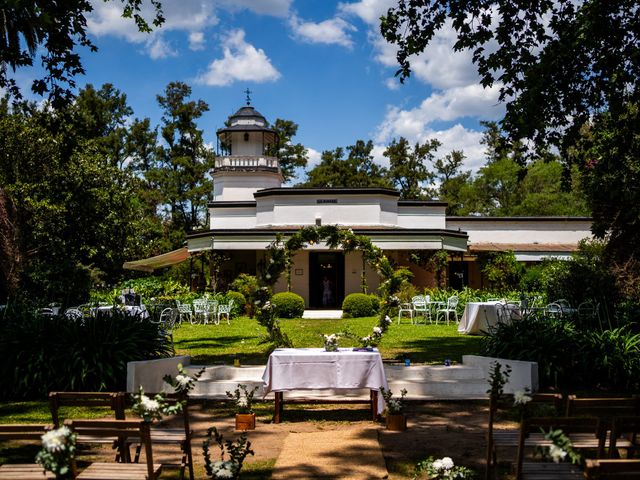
[
  {"x": 387, "y": 319},
  {"x": 271, "y": 260},
  {"x": 447, "y": 463},
  {"x": 556, "y": 453},
  {"x": 183, "y": 380},
  {"x": 267, "y": 276},
  {"x": 148, "y": 404},
  {"x": 56, "y": 440},
  {"x": 437, "y": 464},
  {"x": 224, "y": 473},
  {"x": 242, "y": 402},
  {"x": 521, "y": 398},
  {"x": 377, "y": 330},
  {"x": 218, "y": 465},
  {"x": 366, "y": 339}
]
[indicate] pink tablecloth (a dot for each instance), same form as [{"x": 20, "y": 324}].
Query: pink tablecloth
[{"x": 315, "y": 369}]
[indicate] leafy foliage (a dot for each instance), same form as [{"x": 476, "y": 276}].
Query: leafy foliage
[
  {"x": 58, "y": 353},
  {"x": 288, "y": 305},
  {"x": 247, "y": 285},
  {"x": 408, "y": 169},
  {"x": 357, "y": 305},
  {"x": 237, "y": 452},
  {"x": 242, "y": 398},
  {"x": 290, "y": 156},
  {"x": 501, "y": 269},
  {"x": 239, "y": 302}
]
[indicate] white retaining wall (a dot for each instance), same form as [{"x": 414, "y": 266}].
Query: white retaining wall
[{"x": 149, "y": 373}]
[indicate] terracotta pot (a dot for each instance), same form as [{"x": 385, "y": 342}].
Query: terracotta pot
[
  {"x": 245, "y": 421},
  {"x": 396, "y": 423}
]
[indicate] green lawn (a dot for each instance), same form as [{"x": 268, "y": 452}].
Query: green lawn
[{"x": 214, "y": 344}]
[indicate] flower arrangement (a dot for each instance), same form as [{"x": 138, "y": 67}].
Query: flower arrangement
[
  {"x": 243, "y": 398},
  {"x": 155, "y": 408},
  {"x": 237, "y": 451},
  {"x": 373, "y": 339},
  {"x": 560, "y": 449},
  {"x": 183, "y": 383},
  {"x": 331, "y": 342},
  {"x": 443, "y": 469},
  {"x": 58, "y": 449},
  {"x": 395, "y": 406},
  {"x": 521, "y": 397}
]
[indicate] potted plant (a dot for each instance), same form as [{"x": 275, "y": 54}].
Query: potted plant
[
  {"x": 395, "y": 418},
  {"x": 243, "y": 400},
  {"x": 237, "y": 451}
]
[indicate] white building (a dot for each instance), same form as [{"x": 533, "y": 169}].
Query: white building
[{"x": 250, "y": 207}]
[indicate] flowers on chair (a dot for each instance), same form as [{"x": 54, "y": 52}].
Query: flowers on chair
[
  {"x": 58, "y": 449},
  {"x": 150, "y": 409},
  {"x": 443, "y": 469}
]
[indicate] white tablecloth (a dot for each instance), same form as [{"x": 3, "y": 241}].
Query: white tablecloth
[
  {"x": 479, "y": 316},
  {"x": 315, "y": 369}
]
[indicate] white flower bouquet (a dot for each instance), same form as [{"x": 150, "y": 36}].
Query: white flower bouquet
[
  {"x": 331, "y": 342},
  {"x": 155, "y": 408},
  {"x": 443, "y": 469},
  {"x": 183, "y": 383},
  {"x": 58, "y": 449}
]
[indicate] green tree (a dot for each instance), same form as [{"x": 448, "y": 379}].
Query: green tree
[
  {"x": 183, "y": 165},
  {"x": 358, "y": 170},
  {"x": 53, "y": 30},
  {"x": 289, "y": 155},
  {"x": 408, "y": 170},
  {"x": 565, "y": 69},
  {"x": 454, "y": 184}
]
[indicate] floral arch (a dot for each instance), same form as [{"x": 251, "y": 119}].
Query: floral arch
[{"x": 279, "y": 260}]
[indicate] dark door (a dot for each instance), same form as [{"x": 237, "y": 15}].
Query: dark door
[
  {"x": 326, "y": 279},
  {"x": 458, "y": 275}
]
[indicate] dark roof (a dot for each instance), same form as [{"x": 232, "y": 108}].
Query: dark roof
[
  {"x": 245, "y": 128},
  {"x": 268, "y": 192},
  {"x": 421, "y": 203},
  {"x": 248, "y": 112},
  {"x": 231, "y": 204},
  {"x": 519, "y": 219},
  {"x": 364, "y": 229}
]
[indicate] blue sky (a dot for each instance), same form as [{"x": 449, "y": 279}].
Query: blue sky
[{"x": 322, "y": 64}]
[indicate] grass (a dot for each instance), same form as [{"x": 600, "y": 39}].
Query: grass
[{"x": 216, "y": 344}]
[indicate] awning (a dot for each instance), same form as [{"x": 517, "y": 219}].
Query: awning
[{"x": 160, "y": 261}]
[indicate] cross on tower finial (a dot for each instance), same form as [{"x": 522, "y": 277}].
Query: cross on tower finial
[{"x": 248, "y": 92}]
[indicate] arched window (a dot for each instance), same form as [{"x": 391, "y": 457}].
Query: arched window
[{"x": 246, "y": 136}]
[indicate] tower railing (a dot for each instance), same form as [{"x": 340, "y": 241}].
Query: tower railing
[{"x": 247, "y": 161}]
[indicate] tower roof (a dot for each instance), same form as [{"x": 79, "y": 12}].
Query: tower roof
[{"x": 247, "y": 119}]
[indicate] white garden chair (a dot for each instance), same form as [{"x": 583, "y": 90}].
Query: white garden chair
[
  {"x": 224, "y": 310},
  {"x": 184, "y": 311},
  {"x": 167, "y": 321},
  {"x": 452, "y": 304},
  {"x": 421, "y": 306},
  {"x": 199, "y": 311},
  {"x": 405, "y": 308}
]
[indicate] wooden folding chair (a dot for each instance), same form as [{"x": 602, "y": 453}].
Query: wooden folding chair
[
  {"x": 161, "y": 435},
  {"x": 612, "y": 469},
  {"x": 24, "y": 471},
  {"x": 112, "y": 400},
  {"x": 624, "y": 435},
  {"x": 584, "y": 433},
  {"x": 509, "y": 438},
  {"x": 123, "y": 430}
]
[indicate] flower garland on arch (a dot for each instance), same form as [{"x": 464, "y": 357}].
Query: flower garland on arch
[{"x": 279, "y": 259}]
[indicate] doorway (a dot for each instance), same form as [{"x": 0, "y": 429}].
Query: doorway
[
  {"x": 458, "y": 275},
  {"x": 326, "y": 280}
]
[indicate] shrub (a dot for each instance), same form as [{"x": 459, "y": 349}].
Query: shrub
[
  {"x": 375, "y": 303},
  {"x": 239, "y": 302},
  {"x": 246, "y": 285},
  {"x": 357, "y": 305},
  {"x": 57, "y": 353},
  {"x": 288, "y": 305}
]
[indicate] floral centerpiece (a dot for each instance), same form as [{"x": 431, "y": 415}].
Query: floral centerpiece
[
  {"x": 243, "y": 401},
  {"x": 58, "y": 449},
  {"x": 331, "y": 342},
  {"x": 150, "y": 409},
  {"x": 183, "y": 383},
  {"x": 373, "y": 339},
  {"x": 443, "y": 469},
  {"x": 237, "y": 451},
  {"x": 395, "y": 419}
]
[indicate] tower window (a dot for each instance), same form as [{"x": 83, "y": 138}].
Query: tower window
[{"x": 246, "y": 136}]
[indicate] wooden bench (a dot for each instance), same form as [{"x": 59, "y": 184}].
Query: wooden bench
[
  {"x": 123, "y": 430},
  {"x": 24, "y": 471},
  {"x": 115, "y": 401},
  {"x": 624, "y": 435},
  {"x": 584, "y": 433},
  {"x": 509, "y": 438},
  {"x": 612, "y": 469}
]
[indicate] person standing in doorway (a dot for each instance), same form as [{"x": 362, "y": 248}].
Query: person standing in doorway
[{"x": 327, "y": 292}]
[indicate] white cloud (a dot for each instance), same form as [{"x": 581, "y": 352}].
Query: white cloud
[
  {"x": 191, "y": 17},
  {"x": 159, "y": 48},
  {"x": 392, "y": 83},
  {"x": 369, "y": 11},
  {"x": 314, "y": 158},
  {"x": 196, "y": 41},
  {"x": 275, "y": 8},
  {"x": 241, "y": 61},
  {"x": 332, "y": 31}
]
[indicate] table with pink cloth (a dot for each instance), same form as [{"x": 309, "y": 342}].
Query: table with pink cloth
[
  {"x": 315, "y": 369},
  {"x": 478, "y": 317}
]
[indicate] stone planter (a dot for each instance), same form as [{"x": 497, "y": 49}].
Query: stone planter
[
  {"x": 396, "y": 423},
  {"x": 245, "y": 421}
]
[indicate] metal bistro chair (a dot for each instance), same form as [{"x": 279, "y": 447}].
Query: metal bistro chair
[
  {"x": 212, "y": 311},
  {"x": 421, "y": 306},
  {"x": 167, "y": 321},
  {"x": 405, "y": 307},
  {"x": 199, "y": 311},
  {"x": 185, "y": 311},
  {"x": 452, "y": 304},
  {"x": 224, "y": 310}
]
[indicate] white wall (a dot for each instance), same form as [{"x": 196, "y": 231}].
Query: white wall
[
  {"x": 422, "y": 217},
  {"x": 235, "y": 217},
  {"x": 241, "y": 185},
  {"x": 251, "y": 147}
]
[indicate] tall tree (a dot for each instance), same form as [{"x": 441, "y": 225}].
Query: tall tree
[
  {"x": 358, "y": 170},
  {"x": 453, "y": 183},
  {"x": 53, "y": 30},
  {"x": 289, "y": 155},
  {"x": 408, "y": 170},
  {"x": 184, "y": 164},
  {"x": 566, "y": 70}
]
